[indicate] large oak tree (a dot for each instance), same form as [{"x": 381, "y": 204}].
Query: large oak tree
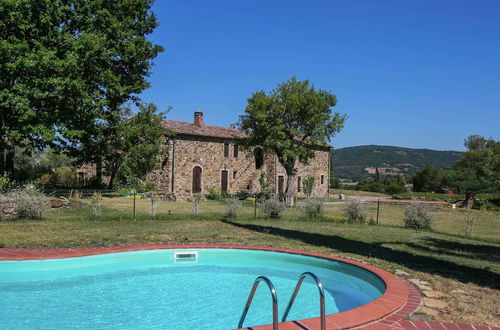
[
  {"x": 288, "y": 121},
  {"x": 66, "y": 65}
]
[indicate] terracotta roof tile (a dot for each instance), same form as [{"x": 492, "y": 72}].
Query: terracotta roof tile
[
  {"x": 182, "y": 127},
  {"x": 185, "y": 128}
]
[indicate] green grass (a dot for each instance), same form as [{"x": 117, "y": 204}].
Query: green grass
[{"x": 447, "y": 261}]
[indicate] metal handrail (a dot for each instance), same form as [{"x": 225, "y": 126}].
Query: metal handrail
[
  {"x": 250, "y": 298},
  {"x": 321, "y": 298}
]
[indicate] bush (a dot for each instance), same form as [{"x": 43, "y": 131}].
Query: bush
[
  {"x": 355, "y": 211},
  {"x": 215, "y": 194},
  {"x": 65, "y": 176},
  {"x": 418, "y": 216},
  {"x": 5, "y": 183},
  {"x": 45, "y": 180},
  {"x": 394, "y": 188},
  {"x": 234, "y": 206},
  {"x": 271, "y": 207},
  {"x": 312, "y": 208},
  {"x": 96, "y": 201},
  {"x": 243, "y": 195},
  {"x": 29, "y": 202},
  {"x": 145, "y": 187}
]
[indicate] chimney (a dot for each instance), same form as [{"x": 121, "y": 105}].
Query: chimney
[
  {"x": 233, "y": 126},
  {"x": 198, "y": 118}
]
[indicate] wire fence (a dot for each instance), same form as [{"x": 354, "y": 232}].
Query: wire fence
[{"x": 479, "y": 224}]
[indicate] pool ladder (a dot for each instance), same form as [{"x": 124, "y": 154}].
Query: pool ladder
[{"x": 290, "y": 303}]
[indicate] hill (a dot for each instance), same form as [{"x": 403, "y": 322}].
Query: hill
[{"x": 357, "y": 163}]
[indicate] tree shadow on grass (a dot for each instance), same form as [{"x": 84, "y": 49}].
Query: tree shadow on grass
[
  {"x": 458, "y": 249},
  {"x": 421, "y": 263}
]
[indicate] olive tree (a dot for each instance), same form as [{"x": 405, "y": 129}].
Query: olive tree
[{"x": 289, "y": 121}]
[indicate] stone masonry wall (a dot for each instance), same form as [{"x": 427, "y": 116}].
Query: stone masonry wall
[
  {"x": 317, "y": 167},
  {"x": 208, "y": 153}
]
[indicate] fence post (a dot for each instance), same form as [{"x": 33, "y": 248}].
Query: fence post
[
  {"x": 133, "y": 197},
  {"x": 255, "y": 207},
  {"x": 378, "y": 208}
]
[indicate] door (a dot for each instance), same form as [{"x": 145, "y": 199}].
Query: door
[
  {"x": 196, "y": 180},
  {"x": 223, "y": 180},
  {"x": 281, "y": 181}
]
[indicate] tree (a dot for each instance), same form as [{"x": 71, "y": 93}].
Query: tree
[
  {"x": 483, "y": 162},
  {"x": 428, "y": 179},
  {"x": 292, "y": 120},
  {"x": 133, "y": 150},
  {"x": 475, "y": 143},
  {"x": 65, "y": 65},
  {"x": 489, "y": 166}
]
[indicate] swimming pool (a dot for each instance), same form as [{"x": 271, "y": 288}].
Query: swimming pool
[{"x": 152, "y": 289}]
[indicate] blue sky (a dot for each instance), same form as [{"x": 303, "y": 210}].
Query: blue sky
[{"x": 419, "y": 74}]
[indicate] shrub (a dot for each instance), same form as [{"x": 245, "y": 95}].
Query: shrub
[
  {"x": 216, "y": 194},
  {"x": 308, "y": 185},
  {"x": 312, "y": 208},
  {"x": 394, "y": 188},
  {"x": 96, "y": 201},
  {"x": 272, "y": 207},
  {"x": 234, "y": 206},
  {"x": 65, "y": 176},
  {"x": 355, "y": 211},
  {"x": 45, "y": 179},
  {"x": 145, "y": 187},
  {"x": 418, "y": 216},
  {"x": 29, "y": 202},
  {"x": 5, "y": 183}
]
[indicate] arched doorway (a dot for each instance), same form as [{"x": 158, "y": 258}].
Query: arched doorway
[
  {"x": 259, "y": 157},
  {"x": 196, "y": 180}
]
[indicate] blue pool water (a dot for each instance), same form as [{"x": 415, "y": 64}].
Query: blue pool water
[{"x": 151, "y": 290}]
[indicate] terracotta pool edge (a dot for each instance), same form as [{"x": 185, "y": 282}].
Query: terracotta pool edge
[{"x": 393, "y": 303}]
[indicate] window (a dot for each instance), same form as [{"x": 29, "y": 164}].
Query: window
[
  {"x": 322, "y": 179},
  {"x": 235, "y": 151},
  {"x": 226, "y": 149},
  {"x": 299, "y": 184},
  {"x": 196, "y": 180},
  {"x": 234, "y": 175},
  {"x": 223, "y": 180}
]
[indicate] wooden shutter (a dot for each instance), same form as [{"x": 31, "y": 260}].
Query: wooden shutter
[
  {"x": 226, "y": 149},
  {"x": 196, "y": 180},
  {"x": 223, "y": 181},
  {"x": 235, "y": 149}
]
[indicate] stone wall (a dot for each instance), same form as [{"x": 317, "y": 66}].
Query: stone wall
[
  {"x": 208, "y": 153},
  {"x": 317, "y": 167},
  {"x": 7, "y": 207}
]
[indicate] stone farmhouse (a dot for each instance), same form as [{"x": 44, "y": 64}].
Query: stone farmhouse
[{"x": 202, "y": 157}]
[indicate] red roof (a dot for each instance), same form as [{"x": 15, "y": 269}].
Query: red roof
[{"x": 183, "y": 127}]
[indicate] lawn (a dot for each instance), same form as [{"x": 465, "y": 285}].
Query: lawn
[{"x": 448, "y": 262}]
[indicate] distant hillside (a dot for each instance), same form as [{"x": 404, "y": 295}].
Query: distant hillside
[{"x": 357, "y": 163}]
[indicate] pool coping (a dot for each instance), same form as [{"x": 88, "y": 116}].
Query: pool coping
[{"x": 398, "y": 301}]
